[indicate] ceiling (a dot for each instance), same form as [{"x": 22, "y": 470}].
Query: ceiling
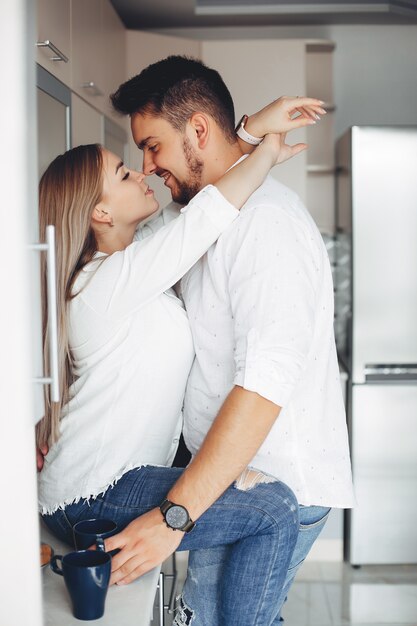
[{"x": 162, "y": 14}]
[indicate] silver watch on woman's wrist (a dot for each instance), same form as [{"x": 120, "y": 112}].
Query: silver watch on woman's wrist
[{"x": 243, "y": 133}]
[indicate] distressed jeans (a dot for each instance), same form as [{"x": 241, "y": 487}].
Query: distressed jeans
[
  {"x": 208, "y": 571},
  {"x": 259, "y": 526}
]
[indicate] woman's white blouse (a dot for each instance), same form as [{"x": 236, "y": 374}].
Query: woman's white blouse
[{"x": 132, "y": 350}]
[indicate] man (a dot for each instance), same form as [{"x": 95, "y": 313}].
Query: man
[{"x": 264, "y": 390}]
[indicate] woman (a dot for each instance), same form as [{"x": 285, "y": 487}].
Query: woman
[{"x": 124, "y": 337}]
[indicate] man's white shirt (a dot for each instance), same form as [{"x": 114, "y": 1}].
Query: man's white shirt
[{"x": 260, "y": 306}]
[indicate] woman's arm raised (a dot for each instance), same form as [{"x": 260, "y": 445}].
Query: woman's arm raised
[
  {"x": 281, "y": 116},
  {"x": 129, "y": 279}
]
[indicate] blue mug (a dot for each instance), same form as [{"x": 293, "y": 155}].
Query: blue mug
[
  {"x": 87, "y": 575},
  {"x": 93, "y": 531}
]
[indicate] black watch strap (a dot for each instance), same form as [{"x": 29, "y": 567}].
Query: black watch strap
[{"x": 166, "y": 505}]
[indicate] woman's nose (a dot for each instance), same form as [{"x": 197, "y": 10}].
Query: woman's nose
[{"x": 140, "y": 176}]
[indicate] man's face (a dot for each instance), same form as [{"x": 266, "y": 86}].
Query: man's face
[{"x": 169, "y": 154}]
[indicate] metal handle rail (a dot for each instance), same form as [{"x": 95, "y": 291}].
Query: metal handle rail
[
  {"x": 161, "y": 600},
  {"x": 162, "y": 607},
  {"x": 170, "y": 606},
  {"x": 49, "y": 248},
  {"x": 59, "y": 56},
  {"x": 399, "y": 372}
]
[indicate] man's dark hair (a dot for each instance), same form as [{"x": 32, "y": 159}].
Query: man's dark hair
[{"x": 175, "y": 88}]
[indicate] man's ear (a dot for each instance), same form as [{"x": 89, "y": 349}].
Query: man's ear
[
  {"x": 199, "y": 124},
  {"x": 101, "y": 214}
]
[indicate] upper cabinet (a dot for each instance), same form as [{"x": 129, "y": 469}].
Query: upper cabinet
[
  {"x": 87, "y": 76},
  {"x": 54, "y": 38},
  {"x": 114, "y": 56},
  {"x": 84, "y": 45}
]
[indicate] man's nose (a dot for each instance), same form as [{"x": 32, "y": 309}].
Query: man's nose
[{"x": 149, "y": 166}]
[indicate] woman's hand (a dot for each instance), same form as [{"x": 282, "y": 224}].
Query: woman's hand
[
  {"x": 41, "y": 453},
  {"x": 144, "y": 543},
  {"x": 279, "y": 150},
  {"x": 285, "y": 114}
]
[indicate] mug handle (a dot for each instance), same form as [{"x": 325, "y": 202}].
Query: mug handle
[
  {"x": 54, "y": 565},
  {"x": 100, "y": 544}
]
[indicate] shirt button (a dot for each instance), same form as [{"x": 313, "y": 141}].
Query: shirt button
[{"x": 175, "y": 440}]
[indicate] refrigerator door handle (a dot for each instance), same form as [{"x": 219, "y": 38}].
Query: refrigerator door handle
[
  {"x": 49, "y": 247},
  {"x": 383, "y": 372}
]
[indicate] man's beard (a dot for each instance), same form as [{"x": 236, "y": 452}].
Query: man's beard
[{"x": 186, "y": 190}]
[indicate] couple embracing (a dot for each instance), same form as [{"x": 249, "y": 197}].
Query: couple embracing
[{"x": 216, "y": 320}]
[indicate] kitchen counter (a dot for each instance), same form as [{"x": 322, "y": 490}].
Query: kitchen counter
[{"x": 129, "y": 605}]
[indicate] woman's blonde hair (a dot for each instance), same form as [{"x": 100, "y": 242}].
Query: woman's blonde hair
[{"x": 68, "y": 192}]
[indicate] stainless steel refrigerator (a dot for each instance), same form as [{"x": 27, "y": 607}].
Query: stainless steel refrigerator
[{"x": 376, "y": 331}]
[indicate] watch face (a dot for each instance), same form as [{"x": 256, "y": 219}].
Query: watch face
[{"x": 176, "y": 516}]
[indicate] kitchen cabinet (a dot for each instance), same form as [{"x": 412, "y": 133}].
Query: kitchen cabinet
[
  {"x": 87, "y": 41},
  {"x": 54, "y": 38},
  {"x": 99, "y": 53},
  {"x": 86, "y": 123},
  {"x": 87, "y": 76},
  {"x": 113, "y": 58}
]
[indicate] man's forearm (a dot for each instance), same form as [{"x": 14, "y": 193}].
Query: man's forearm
[{"x": 237, "y": 433}]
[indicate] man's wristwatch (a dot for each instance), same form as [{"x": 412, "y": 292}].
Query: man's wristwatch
[
  {"x": 176, "y": 516},
  {"x": 243, "y": 133}
]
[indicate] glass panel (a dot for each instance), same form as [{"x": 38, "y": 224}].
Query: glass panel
[{"x": 52, "y": 129}]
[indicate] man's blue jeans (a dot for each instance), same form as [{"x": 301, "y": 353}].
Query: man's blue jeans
[
  {"x": 207, "y": 570},
  {"x": 259, "y": 526}
]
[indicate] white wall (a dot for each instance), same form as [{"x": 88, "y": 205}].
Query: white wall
[
  {"x": 20, "y": 581},
  {"x": 375, "y": 67},
  {"x": 238, "y": 60}
]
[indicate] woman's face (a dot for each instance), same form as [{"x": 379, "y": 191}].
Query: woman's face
[{"x": 126, "y": 195}]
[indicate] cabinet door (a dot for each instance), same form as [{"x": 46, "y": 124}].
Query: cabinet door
[
  {"x": 87, "y": 123},
  {"x": 114, "y": 57},
  {"x": 87, "y": 44},
  {"x": 54, "y": 27},
  {"x": 53, "y": 109}
]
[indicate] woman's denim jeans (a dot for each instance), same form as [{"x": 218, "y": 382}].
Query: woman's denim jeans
[
  {"x": 207, "y": 568},
  {"x": 259, "y": 528}
]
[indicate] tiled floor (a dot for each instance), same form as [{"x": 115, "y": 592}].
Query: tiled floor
[{"x": 335, "y": 594}]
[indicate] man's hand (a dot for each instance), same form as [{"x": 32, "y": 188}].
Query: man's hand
[
  {"x": 285, "y": 114},
  {"x": 144, "y": 543},
  {"x": 41, "y": 452}
]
